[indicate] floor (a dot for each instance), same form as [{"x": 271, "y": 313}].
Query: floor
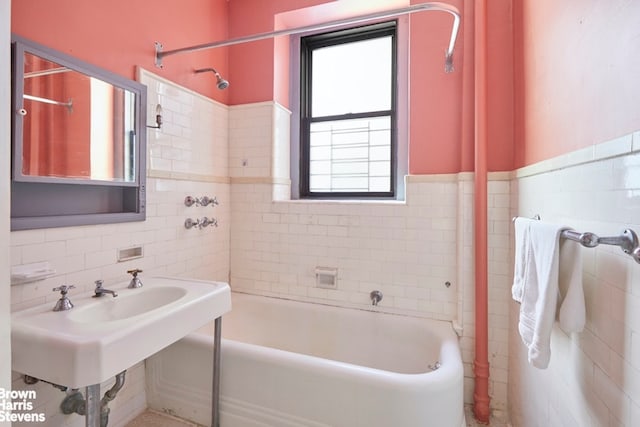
[
  {"x": 158, "y": 419},
  {"x": 493, "y": 422}
]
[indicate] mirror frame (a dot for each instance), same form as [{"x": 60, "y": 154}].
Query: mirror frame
[{"x": 43, "y": 202}]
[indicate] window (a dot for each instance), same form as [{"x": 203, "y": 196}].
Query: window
[{"x": 348, "y": 113}]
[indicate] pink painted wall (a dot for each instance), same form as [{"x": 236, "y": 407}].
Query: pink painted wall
[
  {"x": 435, "y": 106},
  {"x": 500, "y": 86},
  {"x": 441, "y": 137},
  {"x": 253, "y": 64},
  {"x": 119, "y": 34},
  {"x": 577, "y": 68},
  {"x": 438, "y": 141}
]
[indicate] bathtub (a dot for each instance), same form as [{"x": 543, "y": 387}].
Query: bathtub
[{"x": 288, "y": 363}]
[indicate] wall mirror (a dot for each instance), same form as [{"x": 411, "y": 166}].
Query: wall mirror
[{"x": 78, "y": 153}]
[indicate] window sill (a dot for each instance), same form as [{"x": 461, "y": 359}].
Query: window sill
[{"x": 345, "y": 202}]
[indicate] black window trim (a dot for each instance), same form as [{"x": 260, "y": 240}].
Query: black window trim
[{"x": 309, "y": 43}]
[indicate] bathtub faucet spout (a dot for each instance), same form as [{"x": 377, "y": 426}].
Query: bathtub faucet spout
[{"x": 376, "y": 297}]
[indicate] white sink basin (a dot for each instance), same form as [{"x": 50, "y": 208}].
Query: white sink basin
[
  {"x": 108, "y": 309},
  {"x": 101, "y": 337}
]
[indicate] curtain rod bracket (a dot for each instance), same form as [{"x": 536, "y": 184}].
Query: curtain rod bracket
[
  {"x": 159, "y": 54},
  {"x": 448, "y": 63}
]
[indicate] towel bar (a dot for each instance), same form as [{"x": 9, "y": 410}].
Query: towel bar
[{"x": 627, "y": 240}]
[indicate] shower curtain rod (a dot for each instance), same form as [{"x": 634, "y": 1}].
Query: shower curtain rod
[
  {"x": 47, "y": 72},
  {"x": 422, "y": 7},
  {"x": 69, "y": 104}
]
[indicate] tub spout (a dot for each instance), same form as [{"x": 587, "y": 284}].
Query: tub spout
[{"x": 376, "y": 297}]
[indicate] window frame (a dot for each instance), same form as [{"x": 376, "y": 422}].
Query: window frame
[{"x": 333, "y": 38}]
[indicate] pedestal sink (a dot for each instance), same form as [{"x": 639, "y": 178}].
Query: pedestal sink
[{"x": 101, "y": 337}]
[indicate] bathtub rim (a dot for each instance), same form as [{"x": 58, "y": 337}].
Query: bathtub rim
[
  {"x": 449, "y": 350},
  {"x": 380, "y": 308},
  {"x": 440, "y": 324}
]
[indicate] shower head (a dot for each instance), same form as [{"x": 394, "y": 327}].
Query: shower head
[{"x": 221, "y": 83}]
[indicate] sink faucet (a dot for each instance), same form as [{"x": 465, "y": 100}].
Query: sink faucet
[{"x": 99, "y": 290}]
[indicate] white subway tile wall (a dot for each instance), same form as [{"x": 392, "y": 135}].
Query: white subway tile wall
[
  {"x": 408, "y": 250},
  {"x": 499, "y": 279},
  {"x": 251, "y": 140},
  {"x": 188, "y": 156},
  {"x": 593, "y": 378}
]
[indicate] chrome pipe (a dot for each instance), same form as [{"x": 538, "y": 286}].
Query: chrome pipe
[
  {"x": 215, "y": 386},
  {"x": 92, "y": 406}
]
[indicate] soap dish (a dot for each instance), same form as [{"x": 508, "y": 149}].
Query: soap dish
[{"x": 28, "y": 273}]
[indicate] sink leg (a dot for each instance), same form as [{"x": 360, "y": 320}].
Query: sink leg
[
  {"x": 92, "y": 398},
  {"x": 215, "y": 395}
]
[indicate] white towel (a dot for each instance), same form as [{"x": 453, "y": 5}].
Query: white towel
[
  {"x": 522, "y": 256},
  {"x": 572, "y": 314},
  {"x": 536, "y": 286}
]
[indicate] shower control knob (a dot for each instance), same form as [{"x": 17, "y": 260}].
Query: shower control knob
[
  {"x": 205, "y": 222},
  {"x": 190, "y": 223}
]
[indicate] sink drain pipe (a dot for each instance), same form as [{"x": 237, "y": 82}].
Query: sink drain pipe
[{"x": 76, "y": 403}]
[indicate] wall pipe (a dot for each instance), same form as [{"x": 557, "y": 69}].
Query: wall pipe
[
  {"x": 481, "y": 362},
  {"x": 438, "y": 6}
]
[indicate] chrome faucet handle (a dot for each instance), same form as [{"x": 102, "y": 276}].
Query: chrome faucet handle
[
  {"x": 63, "y": 289},
  {"x": 64, "y": 303},
  {"x": 191, "y": 223},
  {"x": 135, "y": 281},
  {"x": 134, "y": 271},
  {"x": 206, "y": 221},
  {"x": 206, "y": 200}
]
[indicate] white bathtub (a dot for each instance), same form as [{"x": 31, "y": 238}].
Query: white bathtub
[{"x": 287, "y": 363}]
